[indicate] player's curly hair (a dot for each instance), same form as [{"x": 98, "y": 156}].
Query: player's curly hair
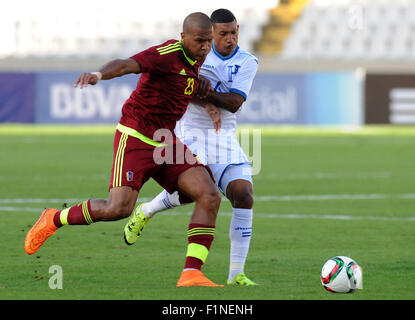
[{"x": 222, "y": 16}]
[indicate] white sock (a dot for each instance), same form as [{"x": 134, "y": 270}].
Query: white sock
[
  {"x": 161, "y": 202},
  {"x": 240, "y": 236}
]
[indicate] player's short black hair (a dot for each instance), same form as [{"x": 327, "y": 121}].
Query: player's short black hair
[{"x": 222, "y": 16}]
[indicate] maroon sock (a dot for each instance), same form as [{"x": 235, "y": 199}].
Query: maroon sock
[
  {"x": 76, "y": 215},
  {"x": 57, "y": 219},
  {"x": 200, "y": 237}
]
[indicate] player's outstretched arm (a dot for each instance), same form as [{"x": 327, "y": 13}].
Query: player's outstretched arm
[{"x": 113, "y": 69}]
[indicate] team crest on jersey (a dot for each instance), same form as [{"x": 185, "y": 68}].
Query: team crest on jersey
[
  {"x": 232, "y": 71},
  {"x": 130, "y": 176}
]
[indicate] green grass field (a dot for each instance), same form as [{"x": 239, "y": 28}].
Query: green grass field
[{"x": 320, "y": 193}]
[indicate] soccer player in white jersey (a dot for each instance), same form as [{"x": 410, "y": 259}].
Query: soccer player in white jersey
[{"x": 230, "y": 71}]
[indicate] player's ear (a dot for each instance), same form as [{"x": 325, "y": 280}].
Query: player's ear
[{"x": 183, "y": 36}]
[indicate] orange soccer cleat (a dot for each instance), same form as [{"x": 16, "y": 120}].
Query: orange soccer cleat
[
  {"x": 43, "y": 229},
  {"x": 195, "y": 278}
]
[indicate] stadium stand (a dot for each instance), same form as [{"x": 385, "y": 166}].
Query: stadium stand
[
  {"x": 342, "y": 29},
  {"x": 281, "y": 20},
  {"x": 285, "y": 34},
  {"x": 95, "y": 28}
]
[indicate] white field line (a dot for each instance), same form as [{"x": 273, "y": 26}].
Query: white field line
[
  {"x": 37, "y": 200},
  {"x": 304, "y": 216},
  {"x": 258, "y": 215},
  {"x": 20, "y": 209},
  {"x": 11, "y": 208},
  {"x": 332, "y": 175},
  {"x": 322, "y": 197}
]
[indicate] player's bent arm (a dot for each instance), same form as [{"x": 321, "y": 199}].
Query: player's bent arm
[
  {"x": 233, "y": 100},
  {"x": 119, "y": 67},
  {"x": 113, "y": 69},
  {"x": 230, "y": 101}
]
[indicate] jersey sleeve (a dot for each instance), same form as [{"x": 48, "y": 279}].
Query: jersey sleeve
[
  {"x": 242, "y": 82},
  {"x": 150, "y": 60}
]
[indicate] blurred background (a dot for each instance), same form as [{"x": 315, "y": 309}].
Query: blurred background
[{"x": 322, "y": 62}]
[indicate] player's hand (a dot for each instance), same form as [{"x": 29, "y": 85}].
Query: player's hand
[
  {"x": 203, "y": 87},
  {"x": 215, "y": 115},
  {"x": 84, "y": 79}
]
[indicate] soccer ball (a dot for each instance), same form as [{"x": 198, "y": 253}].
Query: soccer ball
[{"x": 341, "y": 274}]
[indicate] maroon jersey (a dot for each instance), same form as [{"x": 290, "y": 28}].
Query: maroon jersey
[{"x": 168, "y": 81}]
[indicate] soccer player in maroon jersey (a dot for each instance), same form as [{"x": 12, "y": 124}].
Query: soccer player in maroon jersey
[{"x": 169, "y": 79}]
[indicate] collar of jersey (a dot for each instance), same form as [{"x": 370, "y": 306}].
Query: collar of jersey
[
  {"x": 227, "y": 57},
  {"x": 192, "y": 62}
]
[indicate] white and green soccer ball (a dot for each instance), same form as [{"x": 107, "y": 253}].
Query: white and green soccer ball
[{"x": 341, "y": 274}]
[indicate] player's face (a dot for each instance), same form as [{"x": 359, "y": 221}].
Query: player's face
[
  {"x": 226, "y": 37},
  {"x": 197, "y": 43}
]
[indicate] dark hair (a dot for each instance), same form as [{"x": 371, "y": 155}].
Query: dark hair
[{"x": 222, "y": 16}]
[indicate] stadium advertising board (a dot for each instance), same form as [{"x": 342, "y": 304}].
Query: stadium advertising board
[
  {"x": 58, "y": 102},
  {"x": 334, "y": 98},
  {"x": 312, "y": 98},
  {"x": 16, "y": 97},
  {"x": 275, "y": 99},
  {"x": 390, "y": 98},
  {"x": 303, "y": 98}
]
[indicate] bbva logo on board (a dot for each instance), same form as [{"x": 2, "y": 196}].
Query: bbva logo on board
[{"x": 90, "y": 103}]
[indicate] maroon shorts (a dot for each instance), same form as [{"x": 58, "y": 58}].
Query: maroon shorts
[{"x": 136, "y": 161}]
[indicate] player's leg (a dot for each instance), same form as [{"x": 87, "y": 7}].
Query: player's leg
[
  {"x": 166, "y": 174},
  {"x": 146, "y": 210},
  {"x": 163, "y": 201},
  {"x": 122, "y": 197},
  {"x": 237, "y": 182},
  {"x": 119, "y": 205},
  {"x": 197, "y": 184}
]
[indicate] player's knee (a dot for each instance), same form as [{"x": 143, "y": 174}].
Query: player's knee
[
  {"x": 118, "y": 212},
  {"x": 244, "y": 199},
  {"x": 210, "y": 200}
]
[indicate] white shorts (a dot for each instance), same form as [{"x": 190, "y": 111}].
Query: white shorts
[
  {"x": 225, "y": 173},
  {"x": 210, "y": 147},
  {"x": 221, "y": 152}
]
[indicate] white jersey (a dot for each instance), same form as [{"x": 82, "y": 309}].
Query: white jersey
[{"x": 234, "y": 73}]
